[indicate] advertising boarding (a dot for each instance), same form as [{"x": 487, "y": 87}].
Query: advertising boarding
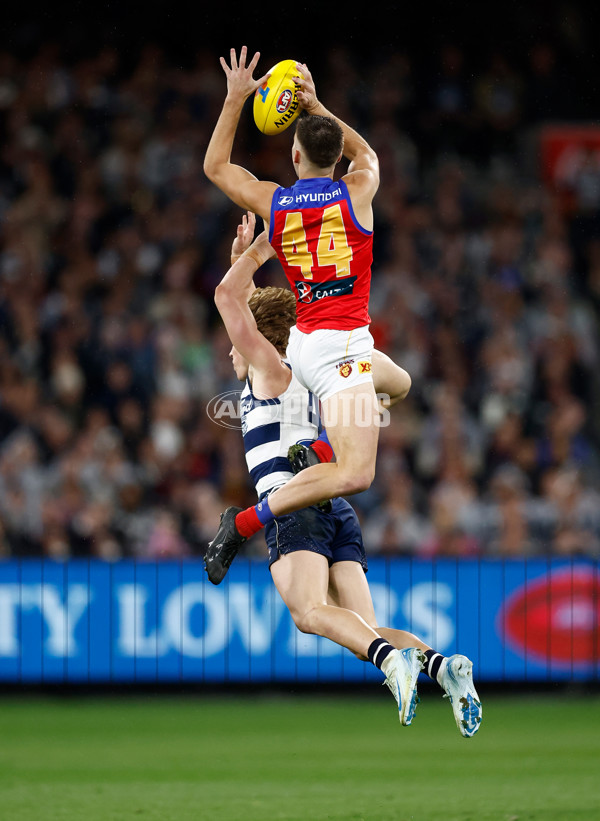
[{"x": 98, "y": 622}]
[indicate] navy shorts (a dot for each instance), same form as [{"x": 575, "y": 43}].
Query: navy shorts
[{"x": 336, "y": 535}]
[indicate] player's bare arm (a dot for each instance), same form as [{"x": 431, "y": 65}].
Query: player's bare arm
[
  {"x": 363, "y": 172},
  {"x": 239, "y": 184},
  {"x": 243, "y": 240},
  {"x": 231, "y": 299}
]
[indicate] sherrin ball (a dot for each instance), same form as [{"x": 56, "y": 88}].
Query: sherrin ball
[{"x": 275, "y": 102}]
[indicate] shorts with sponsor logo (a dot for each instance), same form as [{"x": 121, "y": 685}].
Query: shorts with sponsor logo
[
  {"x": 327, "y": 361},
  {"x": 335, "y": 535}
]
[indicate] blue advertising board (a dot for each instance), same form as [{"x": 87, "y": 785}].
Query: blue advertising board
[{"x": 98, "y": 622}]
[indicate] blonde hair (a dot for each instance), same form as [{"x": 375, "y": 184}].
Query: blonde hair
[{"x": 274, "y": 310}]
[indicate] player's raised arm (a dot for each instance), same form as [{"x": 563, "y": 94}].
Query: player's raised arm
[
  {"x": 356, "y": 148},
  {"x": 239, "y": 184},
  {"x": 231, "y": 299}
]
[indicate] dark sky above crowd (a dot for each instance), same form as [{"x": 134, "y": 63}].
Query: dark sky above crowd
[{"x": 307, "y": 31}]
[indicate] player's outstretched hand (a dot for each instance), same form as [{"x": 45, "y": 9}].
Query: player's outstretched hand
[
  {"x": 261, "y": 249},
  {"x": 244, "y": 236},
  {"x": 240, "y": 82},
  {"x": 305, "y": 92}
]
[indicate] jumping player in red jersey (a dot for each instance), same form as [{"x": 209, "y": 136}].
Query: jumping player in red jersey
[
  {"x": 321, "y": 230},
  {"x": 324, "y": 250}
]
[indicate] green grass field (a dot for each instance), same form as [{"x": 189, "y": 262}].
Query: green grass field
[{"x": 297, "y": 758}]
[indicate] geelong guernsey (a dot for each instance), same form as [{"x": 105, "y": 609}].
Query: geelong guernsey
[
  {"x": 270, "y": 426},
  {"x": 326, "y": 255}
]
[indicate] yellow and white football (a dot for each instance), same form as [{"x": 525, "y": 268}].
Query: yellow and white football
[{"x": 275, "y": 102}]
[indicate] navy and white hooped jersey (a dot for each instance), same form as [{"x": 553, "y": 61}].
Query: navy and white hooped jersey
[{"x": 270, "y": 426}]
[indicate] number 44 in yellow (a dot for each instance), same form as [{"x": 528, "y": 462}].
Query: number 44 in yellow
[{"x": 332, "y": 246}]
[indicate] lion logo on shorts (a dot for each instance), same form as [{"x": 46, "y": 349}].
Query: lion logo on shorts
[{"x": 345, "y": 369}]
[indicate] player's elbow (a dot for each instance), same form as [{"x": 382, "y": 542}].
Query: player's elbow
[
  {"x": 212, "y": 169},
  {"x": 367, "y": 156},
  {"x": 223, "y": 295},
  {"x": 366, "y": 163},
  {"x": 371, "y": 159},
  {"x": 207, "y": 167},
  {"x": 211, "y": 174},
  {"x": 220, "y": 293},
  {"x": 373, "y": 167}
]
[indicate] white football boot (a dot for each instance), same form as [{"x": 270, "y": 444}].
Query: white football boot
[
  {"x": 455, "y": 676},
  {"x": 401, "y": 669}
]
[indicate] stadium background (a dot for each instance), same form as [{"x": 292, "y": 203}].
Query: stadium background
[
  {"x": 485, "y": 282},
  {"x": 483, "y": 523},
  {"x": 486, "y": 288}
]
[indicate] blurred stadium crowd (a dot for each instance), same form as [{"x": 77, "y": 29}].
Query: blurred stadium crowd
[{"x": 486, "y": 288}]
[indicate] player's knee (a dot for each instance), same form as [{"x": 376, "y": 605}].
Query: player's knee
[
  {"x": 356, "y": 481},
  {"x": 304, "y": 624},
  {"x": 404, "y": 387},
  {"x": 307, "y": 620}
]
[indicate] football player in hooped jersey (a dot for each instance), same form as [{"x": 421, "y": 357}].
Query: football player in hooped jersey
[
  {"x": 321, "y": 230},
  {"x": 317, "y": 559}
]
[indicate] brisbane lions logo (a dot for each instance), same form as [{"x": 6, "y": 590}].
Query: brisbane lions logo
[
  {"x": 345, "y": 368},
  {"x": 304, "y": 292}
]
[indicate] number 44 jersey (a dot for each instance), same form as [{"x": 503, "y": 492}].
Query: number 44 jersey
[{"x": 325, "y": 253}]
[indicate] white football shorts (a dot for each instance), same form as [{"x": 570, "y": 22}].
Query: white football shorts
[{"x": 327, "y": 362}]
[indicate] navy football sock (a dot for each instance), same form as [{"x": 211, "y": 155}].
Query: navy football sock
[
  {"x": 433, "y": 663},
  {"x": 378, "y": 651}
]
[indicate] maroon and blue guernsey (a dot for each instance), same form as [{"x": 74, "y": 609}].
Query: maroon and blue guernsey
[{"x": 325, "y": 253}]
